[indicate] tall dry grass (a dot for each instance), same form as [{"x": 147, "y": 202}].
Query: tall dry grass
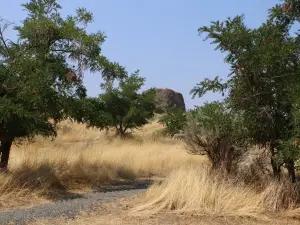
[
  {"x": 198, "y": 191},
  {"x": 82, "y": 158}
]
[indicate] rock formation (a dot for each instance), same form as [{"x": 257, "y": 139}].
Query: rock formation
[{"x": 167, "y": 99}]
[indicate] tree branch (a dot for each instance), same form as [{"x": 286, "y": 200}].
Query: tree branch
[{"x": 2, "y": 29}]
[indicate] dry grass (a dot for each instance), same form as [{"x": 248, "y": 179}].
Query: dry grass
[
  {"x": 196, "y": 191},
  {"x": 82, "y": 158}
]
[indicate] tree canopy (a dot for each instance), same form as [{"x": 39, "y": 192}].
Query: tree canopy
[
  {"x": 122, "y": 107},
  {"x": 264, "y": 81},
  {"x": 41, "y": 72}
]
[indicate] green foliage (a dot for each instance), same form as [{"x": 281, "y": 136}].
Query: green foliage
[
  {"x": 216, "y": 131},
  {"x": 122, "y": 107},
  {"x": 88, "y": 111},
  {"x": 206, "y": 85},
  {"x": 264, "y": 81},
  {"x": 41, "y": 73},
  {"x": 174, "y": 122}
]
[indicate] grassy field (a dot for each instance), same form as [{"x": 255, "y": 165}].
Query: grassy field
[{"x": 80, "y": 159}]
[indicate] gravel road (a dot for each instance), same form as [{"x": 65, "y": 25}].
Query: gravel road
[{"x": 69, "y": 208}]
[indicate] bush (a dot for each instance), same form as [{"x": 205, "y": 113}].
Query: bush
[
  {"x": 174, "y": 122},
  {"x": 215, "y": 131}
]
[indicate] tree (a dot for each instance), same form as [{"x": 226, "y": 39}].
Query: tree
[
  {"x": 123, "y": 107},
  {"x": 41, "y": 73},
  {"x": 264, "y": 81},
  {"x": 174, "y": 121},
  {"x": 216, "y": 131}
]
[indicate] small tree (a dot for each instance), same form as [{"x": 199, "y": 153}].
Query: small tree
[
  {"x": 174, "y": 121},
  {"x": 264, "y": 81},
  {"x": 123, "y": 107},
  {"x": 217, "y": 132},
  {"x": 41, "y": 73}
]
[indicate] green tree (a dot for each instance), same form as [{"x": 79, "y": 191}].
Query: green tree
[
  {"x": 41, "y": 73},
  {"x": 123, "y": 107},
  {"x": 174, "y": 121},
  {"x": 264, "y": 81},
  {"x": 216, "y": 131}
]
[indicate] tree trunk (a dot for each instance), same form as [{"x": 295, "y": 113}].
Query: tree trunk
[
  {"x": 291, "y": 170},
  {"x": 122, "y": 134},
  {"x": 5, "y": 150},
  {"x": 117, "y": 132},
  {"x": 120, "y": 131},
  {"x": 275, "y": 167}
]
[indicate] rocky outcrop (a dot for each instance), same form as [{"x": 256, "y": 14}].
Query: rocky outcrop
[{"x": 167, "y": 99}]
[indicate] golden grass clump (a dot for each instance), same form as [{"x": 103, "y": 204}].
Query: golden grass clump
[{"x": 198, "y": 191}]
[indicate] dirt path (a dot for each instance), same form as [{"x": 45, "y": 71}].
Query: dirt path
[
  {"x": 69, "y": 208},
  {"x": 119, "y": 212}
]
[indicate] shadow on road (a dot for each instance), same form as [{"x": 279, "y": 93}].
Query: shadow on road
[
  {"x": 110, "y": 187},
  {"x": 141, "y": 185},
  {"x": 114, "y": 186},
  {"x": 68, "y": 205}
]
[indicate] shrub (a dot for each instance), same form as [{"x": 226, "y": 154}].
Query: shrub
[
  {"x": 215, "y": 131},
  {"x": 174, "y": 122}
]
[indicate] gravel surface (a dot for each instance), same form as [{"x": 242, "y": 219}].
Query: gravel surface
[{"x": 68, "y": 208}]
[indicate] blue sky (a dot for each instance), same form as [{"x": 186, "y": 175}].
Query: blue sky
[{"x": 159, "y": 37}]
